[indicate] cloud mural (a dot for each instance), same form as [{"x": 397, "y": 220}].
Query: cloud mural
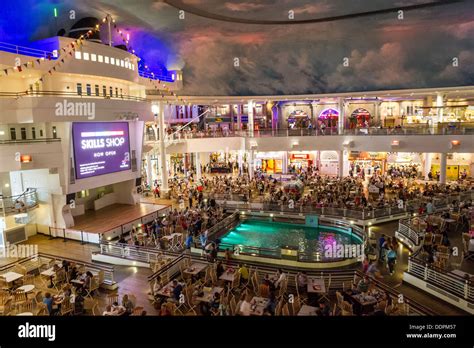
[{"x": 383, "y": 51}]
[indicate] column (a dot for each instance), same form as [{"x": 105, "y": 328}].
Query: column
[
  {"x": 231, "y": 114},
  {"x": 314, "y": 119},
  {"x": 341, "y": 118},
  {"x": 239, "y": 117},
  {"x": 439, "y": 105},
  {"x": 198, "y": 165},
  {"x": 250, "y": 127},
  {"x": 377, "y": 115},
  {"x": 340, "y": 165},
  {"x": 164, "y": 167},
  {"x": 426, "y": 165},
  {"x": 442, "y": 170},
  {"x": 149, "y": 175},
  {"x": 241, "y": 162},
  {"x": 285, "y": 162},
  {"x": 251, "y": 154}
]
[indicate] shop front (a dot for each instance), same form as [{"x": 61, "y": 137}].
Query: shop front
[
  {"x": 459, "y": 166},
  {"x": 298, "y": 119},
  {"x": 221, "y": 162},
  {"x": 269, "y": 162},
  {"x": 328, "y": 163},
  {"x": 329, "y": 118},
  {"x": 405, "y": 163},
  {"x": 367, "y": 163},
  {"x": 360, "y": 118},
  {"x": 300, "y": 160}
]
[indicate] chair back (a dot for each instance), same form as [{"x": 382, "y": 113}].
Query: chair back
[
  {"x": 26, "y": 307},
  {"x": 285, "y": 311},
  {"x": 111, "y": 298},
  {"x": 19, "y": 296}
]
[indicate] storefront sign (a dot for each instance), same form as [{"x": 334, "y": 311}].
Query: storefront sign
[
  {"x": 26, "y": 159},
  {"x": 100, "y": 148},
  {"x": 243, "y": 119},
  {"x": 300, "y": 156}
]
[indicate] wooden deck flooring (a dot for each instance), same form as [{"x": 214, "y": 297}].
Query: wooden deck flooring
[{"x": 110, "y": 217}]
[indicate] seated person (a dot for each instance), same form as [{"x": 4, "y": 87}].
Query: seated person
[
  {"x": 324, "y": 310},
  {"x": 280, "y": 278},
  {"x": 127, "y": 304},
  {"x": 363, "y": 285},
  {"x": 245, "y": 307},
  {"x": 48, "y": 301},
  {"x": 177, "y": 289},
  {"x": 157, "y": 286}
]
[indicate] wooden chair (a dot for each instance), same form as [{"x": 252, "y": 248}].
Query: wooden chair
[
  {"x": 3, "y": 284},
  {"x": 112, "y": 298},
  {"x": 284, "y": 311},
  {"x": 25, "y": 307},
  {"x": 20, "y": 269},
  {"x": 340, "y": 300},
  {"x": 137, "y": 311},
  {"x": 278, "y": 308},
  {"x": 66, "y": 308},
  {"x": 41, "y": 309},
  {"x": 19, "y": 297},
  {"x": 28, "y": 279},
  {"x": 325, "y": 295},
  {"x": 59, "y": 279},
  {"x": 233, "y": 306},
  {"x": 91, "y": 306},
  {"x": 296, "y": 306},
  {"x": 347, "y": 309},
  {"x": 93, "y": 286},
  {"x": 5, "y": 303},
  {"x": 428, "y": 239},
  {"x": 437, "y": 239}
]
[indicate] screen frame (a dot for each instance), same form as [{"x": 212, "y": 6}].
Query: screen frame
[{"x": 76, "y": 175}]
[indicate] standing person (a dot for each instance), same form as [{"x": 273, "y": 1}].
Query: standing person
[
  {"x": 391, "y": 259},
  {"x": 381, "y": 243}
]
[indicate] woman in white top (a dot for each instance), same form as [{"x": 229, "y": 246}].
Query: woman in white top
[
  {"x": 280, "y": 278},
  {"x": 246, "y": 307}
]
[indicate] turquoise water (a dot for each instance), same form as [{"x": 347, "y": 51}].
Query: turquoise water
[{"x": 266, "y": 234}]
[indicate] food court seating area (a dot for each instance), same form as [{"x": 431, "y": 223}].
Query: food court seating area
[
  {"x": 193, "y": 286},
  {"x": 47, "y": 285}
]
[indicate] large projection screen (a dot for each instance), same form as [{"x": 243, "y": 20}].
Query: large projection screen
[{"x": 100, "y": 148}]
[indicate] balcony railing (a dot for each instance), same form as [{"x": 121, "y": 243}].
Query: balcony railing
[
  {"x": 362, "y": 214},
  {"x": 30, "y": 141},
  {"x": 68, "y": 94},
  {"x": 27, "y": 51},
  {"x": 19, "y": 203},
  {"x": 149, "y": 75},
  {"x": 415, "y": 130}
]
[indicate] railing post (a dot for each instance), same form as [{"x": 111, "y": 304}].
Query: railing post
[
  {"x": 466, "y": 289},
  {"x": 425, "y": 275}
]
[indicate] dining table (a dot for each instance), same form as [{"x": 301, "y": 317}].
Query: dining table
[
  {"x": 167, "y": 290},
  {"x": 26, "y": 288},
  {"x": 258, "y": 305},
  {"x": 11, "y": 276},
  {"x": 306, "y": 310},
  {"x": 229, "y": 275},
  {"x": 208, "y": 295},
  {"x": 195, "y": 268},
  {"x": 316, "y": 285}
]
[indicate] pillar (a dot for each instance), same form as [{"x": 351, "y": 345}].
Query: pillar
[
  {"x": 250, "y": 116},
  {"x": 314, "y": 119},
  {"x": 164, "y": 167},
  {"x": 251, "y": 163},
  {"x": 442, "y": 170},
  {"x": 149, "y": 175},
  {"x": 340, "y": 165},
  {"x": 241, "y": 161},
  {"x": 198, "y": 165},
  {"x": 275, "y": 117},
  {"x": 341, "y": 118},
  {"x": 439, "y": 105},
  {"x": 377, "y": 113},
  {"x": 284, "y": 168},
  {"x": 239, "y": 117},
  {"x": 426, "y": 165}
]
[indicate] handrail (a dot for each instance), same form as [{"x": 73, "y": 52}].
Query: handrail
[
  {"x": 29, "y": 198},
  {"x": 134, "y": 252},
  {"x": 69, "y": 94},
  {"x": 27, "y": 51},
  {"x": 154, "y": 76},
  {"x": 414, "y": 130},
  {"x": 451, "y": 283},
  {"x": 28, "y": 141},
  {"x": 108, "y": 270},
  {"x": 359, "y": 214},
  {"x": 339, "y": 277}
]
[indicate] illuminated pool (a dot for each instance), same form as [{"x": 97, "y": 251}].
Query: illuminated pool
[{"x": 275, "y": 235}]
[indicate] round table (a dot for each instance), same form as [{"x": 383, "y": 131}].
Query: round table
[
  {"x": 25, "y": 314},
  {"x": 27, "y": 288}
]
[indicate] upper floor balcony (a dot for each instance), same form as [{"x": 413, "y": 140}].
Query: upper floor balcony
[
  {"x": 61, "y": 106},
  {"x": 409, "y": 139}
]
